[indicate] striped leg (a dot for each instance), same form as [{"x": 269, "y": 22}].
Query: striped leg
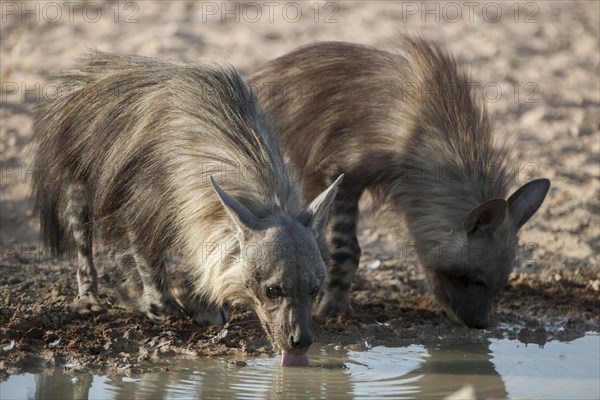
[
  {"x": 156, "y": 301},
  {"x": 131, "y": 289},
  {"x": 78, "y": 222},
  {"x": 181, "y": 291},
  {"x": 344, "y": 252}
]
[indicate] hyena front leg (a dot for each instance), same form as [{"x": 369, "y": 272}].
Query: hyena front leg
[
  {"x": 180, "y": 289},
  {"x": 344, "y": 252},
  {"x": 77, "y": 217},
  {"x": 156, "y": 301},
  {"x": 131, "y": 289},
  {"x": 202, "y": 312}
]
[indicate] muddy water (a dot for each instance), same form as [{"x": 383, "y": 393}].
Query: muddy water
[{"x": 497, "y": 368}]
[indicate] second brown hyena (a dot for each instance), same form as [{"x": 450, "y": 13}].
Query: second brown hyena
[
  {"x": 407, "y": 126},
  {"x": 129, "y": 155}
]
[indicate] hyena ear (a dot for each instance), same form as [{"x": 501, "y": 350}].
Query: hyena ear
[
  {"x": 243, "y": 218},
  {"x": 314, "y": 215},
  {"x": 486, "y": 217},
  {"x": 526, "y": 201}
]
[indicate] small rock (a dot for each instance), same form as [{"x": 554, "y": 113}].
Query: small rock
[
  {"x": 9, "y": 346},
  {"x": 580, "y": 130},
  {"x": 221, "y": 335},
  {"x": 272, "y": 36},
  {"x": 373, "y": 264},
  {"x": 237, "y": 363},
  {"x": 143, "y": 355}
]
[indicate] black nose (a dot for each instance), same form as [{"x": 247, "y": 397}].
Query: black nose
[{"x": 302, "y": 340}]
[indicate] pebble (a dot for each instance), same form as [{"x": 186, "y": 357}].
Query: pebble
[
  {"x": 237, "y": 363},
  {"x": 373, "y": 264},
  {"x": 579, "y": 130},
  {"x": 9, "y": 346}
]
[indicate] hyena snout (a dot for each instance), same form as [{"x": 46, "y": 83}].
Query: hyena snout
[
  {"x": 298, "y": 330},
  {"x": 479, "y": 320},
  {"x": 474, "y": 311},
  {"x": 301, "y": 337},
  {"x": 468, "y": 301}
]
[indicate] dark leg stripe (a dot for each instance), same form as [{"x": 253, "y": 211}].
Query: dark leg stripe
[
  {"x": 339, "y": 285},
  {"x": 342, "y": 257},
  {"x": 339, "y": 241},
  {"x": 344, "y": 225}
]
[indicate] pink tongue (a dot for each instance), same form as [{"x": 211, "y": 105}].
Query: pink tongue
[{"x": 300, "y": 360}]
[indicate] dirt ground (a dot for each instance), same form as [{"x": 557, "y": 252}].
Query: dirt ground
[{"x": 538, "y": 63}]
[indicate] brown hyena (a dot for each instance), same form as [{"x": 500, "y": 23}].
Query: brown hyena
[
  {"x": 127, "y": 154},
  {"x": 407, "y": 126}
]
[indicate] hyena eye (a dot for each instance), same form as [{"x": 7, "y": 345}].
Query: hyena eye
[
  {"x": 273, "y": 292},
  {"x": 314, "y": 291}
]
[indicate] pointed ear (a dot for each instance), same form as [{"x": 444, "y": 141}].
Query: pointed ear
[
  {"x": 237, "y": 212},
  {"x": 314, "y": 215},
  {"x": 526, "y": 201},
  {"x": 486, "y": 217}
]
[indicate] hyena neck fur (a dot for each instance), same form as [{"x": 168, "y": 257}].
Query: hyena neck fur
[{"x": 273, "y": 265}]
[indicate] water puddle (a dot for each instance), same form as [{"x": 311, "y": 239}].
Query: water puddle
[{"x": 497, "y": 368}]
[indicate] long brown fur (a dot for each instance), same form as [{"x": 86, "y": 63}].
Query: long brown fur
[
  {"x": 126, "y": 154},
  {"x": 408, "y": 126}
]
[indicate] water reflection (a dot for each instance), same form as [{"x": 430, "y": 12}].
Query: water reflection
[
  {"x": 454, "y": 365},
  {"x": 416, "y": 371},
  {"x": 61, "y": 386},
  {"x": 407, "y": 372}
]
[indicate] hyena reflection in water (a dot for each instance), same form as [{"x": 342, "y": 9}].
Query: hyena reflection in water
[
  {"x": 387, "y": 120},
  {"x": 119, "y": 157}
]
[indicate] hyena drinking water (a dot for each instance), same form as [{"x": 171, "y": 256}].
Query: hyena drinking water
[
  {"x": 127, "y": 154},
  {"x": 407, "y": 126}
]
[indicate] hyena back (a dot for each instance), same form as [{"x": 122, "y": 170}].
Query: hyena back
[
  {"x": 126, "y": 155},
  {"x": 407, "y": 126}
]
